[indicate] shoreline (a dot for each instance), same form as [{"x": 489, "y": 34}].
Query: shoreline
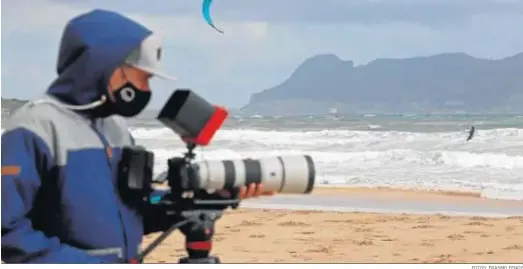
[
  {"x": 350, "y": 189},
  {"x": 407, "y": 193},
  {"x": 390, "y": 201}
]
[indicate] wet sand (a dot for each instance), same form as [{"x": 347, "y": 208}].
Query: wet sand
[{"x": 292, "y": 236}]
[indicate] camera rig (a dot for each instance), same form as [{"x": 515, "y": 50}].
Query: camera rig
[
  {"x": 192, "y": 209},
  {"x": 191, "y": 202},
  {"x": 194, "y": 212}
]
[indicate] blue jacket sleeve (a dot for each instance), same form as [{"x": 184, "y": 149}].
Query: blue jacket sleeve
[{"x": 25, "y": 160}]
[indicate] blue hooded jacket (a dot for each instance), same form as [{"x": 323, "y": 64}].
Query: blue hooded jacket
[{"x": 60, "y": 202}]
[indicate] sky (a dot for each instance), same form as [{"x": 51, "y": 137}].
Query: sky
[{"x": 264, "y": 40}]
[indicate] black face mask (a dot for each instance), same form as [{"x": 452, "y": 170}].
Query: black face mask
[{"x": 129, "y": 100}]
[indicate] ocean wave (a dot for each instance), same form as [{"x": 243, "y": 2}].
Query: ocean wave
[
  {"x": 508, "y": 141},
  {"x": 490, "y": 164}
]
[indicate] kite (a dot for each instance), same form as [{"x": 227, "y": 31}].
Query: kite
[{"x": 206, "y": 11}]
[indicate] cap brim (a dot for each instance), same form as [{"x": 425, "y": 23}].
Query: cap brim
[{"x": 156, "y": 73}]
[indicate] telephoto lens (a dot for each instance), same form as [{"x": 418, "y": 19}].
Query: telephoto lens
[{"x": 282, "y": 174}]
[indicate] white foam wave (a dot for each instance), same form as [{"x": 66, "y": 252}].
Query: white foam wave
[
  {"x": 503, "y": 191},
  {"x": 254, "y": 134},
  {"x": 491, "y": 163},
  {"x": 507, "y": 141}
]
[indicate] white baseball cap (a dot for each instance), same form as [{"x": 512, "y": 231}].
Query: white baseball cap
[{"x": 147, "y": 57}]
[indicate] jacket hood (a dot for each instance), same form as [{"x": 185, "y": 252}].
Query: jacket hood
[{"x": 93, "y": 45}]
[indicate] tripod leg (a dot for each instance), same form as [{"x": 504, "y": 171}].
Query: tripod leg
[{"x": 198, "y": 239}]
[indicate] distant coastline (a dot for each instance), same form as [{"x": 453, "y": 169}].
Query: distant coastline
[
  {"x": 447, "y": 84},
  {"x": 9, "y": 105}
]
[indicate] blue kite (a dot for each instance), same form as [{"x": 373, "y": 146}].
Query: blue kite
[{"x": 206, "y": 11}]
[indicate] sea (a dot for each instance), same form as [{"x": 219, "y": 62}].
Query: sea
[{"x": 427, "y": 152}]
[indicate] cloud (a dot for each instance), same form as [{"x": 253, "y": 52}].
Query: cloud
[
  {"x": 264, "y": 40},
  {"x": 49, "y": 17},
  {"x": 326, "y": 11},
  {"x": 187, "y": 40},
  {"x": 429, "y": 12}
]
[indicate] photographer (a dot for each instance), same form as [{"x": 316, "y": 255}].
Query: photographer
[{"x": 60, "y": 201}]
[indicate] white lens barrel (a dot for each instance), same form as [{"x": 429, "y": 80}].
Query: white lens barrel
[{"x": 284, "y": 174}]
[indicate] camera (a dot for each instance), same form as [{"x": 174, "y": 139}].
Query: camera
[{"x": 192, "y": 184}]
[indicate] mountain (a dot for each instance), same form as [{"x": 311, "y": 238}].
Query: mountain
[{"x": 444, "y": 83}]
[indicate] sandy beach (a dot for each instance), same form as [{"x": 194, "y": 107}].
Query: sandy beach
[{"x": 289, "y": 236}]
